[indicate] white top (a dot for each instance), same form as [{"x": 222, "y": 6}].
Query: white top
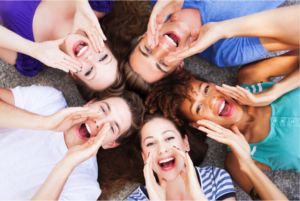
[{"x": 28, "y": 156}]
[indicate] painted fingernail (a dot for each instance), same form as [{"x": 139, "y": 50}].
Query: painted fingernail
[
  {"x": 80, "y": 67},
  {"x": 76, "y": 72},
  {"x": 68, "y": 33},
  {"x": 80, "y": 70}
]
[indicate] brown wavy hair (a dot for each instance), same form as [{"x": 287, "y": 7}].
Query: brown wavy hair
[
  {"x": 128, "y": 165},
  {"x": 168, "y": 94},
  {"x": 126, "y": 21}
]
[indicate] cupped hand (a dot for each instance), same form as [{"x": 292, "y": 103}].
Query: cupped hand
[
  {"x": 155, "y": 191},
  {"x": 189, "y": 176},
  {"x": 68, "y": 117},
  {"x": 86, "y": 20},
  {"x": 49, "y": 53},
  {"x": 235, "y": 140},
  {"x": 80, "y": 153},
  {"x": 159, "y": 14},
  {"x": 207, "y": 35},
  {"x": 244, "y": 97}
]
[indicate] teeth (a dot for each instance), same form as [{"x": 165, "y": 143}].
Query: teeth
[
  {"x": 82, "y": 50},
  {"x": 222, "y": 106},
  {"x": 166, "y": 160},
  {"x": 88, "y": 128},
  {"x": 170, "y": 39}
]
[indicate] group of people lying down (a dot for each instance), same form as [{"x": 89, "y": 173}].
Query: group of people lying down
[{"x": 147, "y": 118}]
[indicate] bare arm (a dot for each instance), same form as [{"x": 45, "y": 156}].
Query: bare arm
[
  {"x": 14, "y": 117},
  {"x": 53, "y": 185}
]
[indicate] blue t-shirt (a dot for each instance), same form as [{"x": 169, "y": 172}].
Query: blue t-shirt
[
  {"x": 231, "y": 51},
  {"x": 215, "y": 183},
  {"x": 280, "y": 149}
]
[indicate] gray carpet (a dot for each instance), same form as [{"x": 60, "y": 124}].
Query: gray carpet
[{"x": 287, "y": 181}]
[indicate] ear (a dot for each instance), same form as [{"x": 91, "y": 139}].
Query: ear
[
  {"x": 186, "y": 143},
  {"x": 143, "y": 156},
  {"x": 180, "y": 66},
  {"x": 142, "y": 36},
  {"x": 90, "y": 102},
  {"x": 110, "y": 145}
]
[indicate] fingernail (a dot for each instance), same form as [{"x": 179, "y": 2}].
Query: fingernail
[
  {"x": 76, "y": 72},
  {"x": 80, "y": 70},
  {"x": 68, "y": 33},
  {"x": 80, "y": 67}
]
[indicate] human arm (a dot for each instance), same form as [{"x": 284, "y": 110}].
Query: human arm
[
  {"x": 189, "y": 177},
  {"x": 287, "y": 64},
  {"x": 53, "y": 185},
  {"x": 241, "y": 150},
  {"x": 47, "y": 52},
  {"x": 159, "y": 14},
  {"x": 271, "y": 24},
  {"x": 11, "y": 116},
  {"x": 155, "y": 191},
  {"x": 86, "y": 20}
]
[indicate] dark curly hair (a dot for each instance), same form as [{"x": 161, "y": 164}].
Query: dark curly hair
[{"x": 168, "y": 94}]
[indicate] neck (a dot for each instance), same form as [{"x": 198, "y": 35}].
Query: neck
[
  {"x": 176, "y": 190},
  {"x": 248, "y": 117}
]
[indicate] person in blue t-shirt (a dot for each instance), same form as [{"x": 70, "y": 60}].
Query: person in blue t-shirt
[{"x": 213, "y": 28}]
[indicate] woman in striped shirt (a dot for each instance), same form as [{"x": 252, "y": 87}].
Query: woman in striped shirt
[{"x": 170, "y": 151}]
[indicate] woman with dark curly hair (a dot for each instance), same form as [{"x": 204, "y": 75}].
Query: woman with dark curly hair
[
  {"x": 42, "y": 36},
  {"x": 269, "y": 119}
]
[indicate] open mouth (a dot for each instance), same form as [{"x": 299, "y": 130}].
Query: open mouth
[
  {"x": 167, "y": 164},
  {"x": 79, "y": 48},
  {"x": 84, "y": 131},
  {"x": 225, "y": 109},
  {"x": 172, "y": 38}
]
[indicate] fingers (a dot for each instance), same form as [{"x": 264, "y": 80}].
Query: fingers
[
  {"x": 183, "y": 176},
  {"x": 78, "y": 121},
  {"x": 174, "y": 16},
  {"x": 72, "y": 66},
  {"x": 195, "y": 32},
  {"x": 101, "y": 136},
  {"x": 184, "y": 53},
  {"x": 163, "y": 183},
  {"x": 235, "y": 129},
  {"x": 94, "y": 40},
  {"x": 211, "y": 125}
]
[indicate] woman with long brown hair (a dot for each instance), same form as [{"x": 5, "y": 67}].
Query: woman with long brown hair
[{"x": 93, "y": 64}]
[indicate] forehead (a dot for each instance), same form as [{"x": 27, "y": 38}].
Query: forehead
[
  {"x": 156, "y": 127},
  {"x": 119, "y": 112}
]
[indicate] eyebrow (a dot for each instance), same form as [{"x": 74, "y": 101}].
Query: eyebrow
[
  {"x": 199, "y": 88},
  {"x": 161, "y": 134}
]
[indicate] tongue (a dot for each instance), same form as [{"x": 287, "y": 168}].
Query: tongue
[
  {"x": 78, "y": 48},
  {"x": 225, "y": 110},
  {"x": 83, "y": 131},
  {"x": 174, "y": 38},
  {"x": 167, "y": 164}
]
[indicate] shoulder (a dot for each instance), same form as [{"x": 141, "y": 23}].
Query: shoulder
[
  {"x": 39, "y": 99},
  {"x": 253, "y": 88}
]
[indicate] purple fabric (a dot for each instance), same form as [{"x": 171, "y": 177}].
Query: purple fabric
[
  {"x": 101, "y": 6},
  {"x": 17, "y": 16}
]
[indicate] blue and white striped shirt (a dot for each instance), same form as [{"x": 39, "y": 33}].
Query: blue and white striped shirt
[{"x": 216, "y": 184}]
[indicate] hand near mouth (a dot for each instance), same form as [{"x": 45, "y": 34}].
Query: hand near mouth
[
  {"x": 86, "y": 20},
  {"x": 159, "y": 14},
  {"x": 155, "y": 191},
  {"x": 66, "y": 118},
  {"x": 189, "y": 176},
  {"x": 49, "y": 53},
  {"x": 207, "y": 35},
  {"x": 244, "y": 97}
]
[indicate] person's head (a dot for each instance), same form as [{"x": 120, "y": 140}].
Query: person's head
[
  {"x": 148, "y": 65},
  {"x": 99, "y": 69},
  {"x": 159, "y": 134},
  {"x": 124, "y": 113},
  {"x": 188, "y": 99}
]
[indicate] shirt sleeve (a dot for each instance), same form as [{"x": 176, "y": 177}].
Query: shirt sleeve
[
  {"x": 39, "y": 99},
  {"x": 224, "y": 185},
  {"x": 101, "y": 6}
]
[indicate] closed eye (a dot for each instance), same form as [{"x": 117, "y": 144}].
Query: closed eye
[
  {"x": 103, "y": 110},
  {"x": 198, "y": 108},
  {"x": 170, "y": 138},
  {"x": 112, "y": 129},
  {"x": 147, "y": 49},
  {"x": 163, "y": 63},
  {"x": 150, "y": 144},
  {"x": 103, "y": 58},
  {"x": 89, "y": 72}
]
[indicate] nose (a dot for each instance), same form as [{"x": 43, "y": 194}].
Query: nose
[
  {"x": 88, "y": 57},
  {"x": 162, "y": 149},
  {"x": 161, "y": 51},
  {"x": 99, "y": 123}
]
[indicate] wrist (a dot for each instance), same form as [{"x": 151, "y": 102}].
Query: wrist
[{"x": 246, "y": 165}]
